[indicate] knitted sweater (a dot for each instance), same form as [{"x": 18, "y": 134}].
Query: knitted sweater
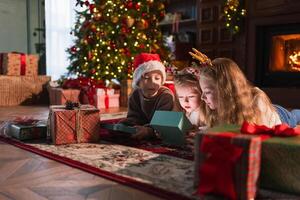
[{"x": 141, "y": 109}]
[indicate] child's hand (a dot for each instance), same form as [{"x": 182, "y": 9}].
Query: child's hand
[
  {"x": 190, "y": 139},
  {"x": 142, "y": 132}
]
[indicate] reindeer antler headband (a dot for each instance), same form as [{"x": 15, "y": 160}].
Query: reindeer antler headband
[{"x": 202, "y": 58}]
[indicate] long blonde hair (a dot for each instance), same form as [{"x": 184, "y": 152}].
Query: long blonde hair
[
  {"x": 234, "y": 93},
  {"x": 186, "y": 79}
]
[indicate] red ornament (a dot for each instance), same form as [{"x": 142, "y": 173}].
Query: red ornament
[
  {"x": 91, "y": 7},
  {"x": 137, "y": 6},
  {"x": 93, "y": 71},
  {"x": 112, "y": 45},
  {"x": 142, "y": 46},
  {"x": 73, "y": 49},
  {"x": 87, "y": 3},
  {"x": 124, "y": 30},
  {"x": 129, "y": 5},
  {"x": 90, "y": 55}
]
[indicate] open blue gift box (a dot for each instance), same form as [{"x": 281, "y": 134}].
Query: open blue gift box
[{"x": 171, "y": 126}]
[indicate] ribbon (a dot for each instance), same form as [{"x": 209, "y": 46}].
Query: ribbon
[
  {"x": 281, "y": 130},
  {"x": 217, "y": 170},
  {"x": 106, "y": 99},
  {"x": 23, "y": 64}
]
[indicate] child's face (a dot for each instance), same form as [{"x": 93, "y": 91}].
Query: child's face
[
  {"x": 189, "y": 99},
  {"x": 150, "y": 83},
  {"x": 209, "y": 95}
]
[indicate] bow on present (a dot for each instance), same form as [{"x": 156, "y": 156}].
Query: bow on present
[
  {"x": 217, "y": 170},
  {"x": 281, "y": 130}
]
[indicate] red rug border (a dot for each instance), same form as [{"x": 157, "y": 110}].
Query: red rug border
[{"x": 96, "y": 171}]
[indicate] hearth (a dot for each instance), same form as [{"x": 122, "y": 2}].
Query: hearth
[{"x": 278, "y": 55}]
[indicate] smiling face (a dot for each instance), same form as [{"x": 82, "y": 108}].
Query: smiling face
[
  {"x": 150, "y": 83},
  {"x": 189, "y": 99},
  {"x": 209, "y": 94}
]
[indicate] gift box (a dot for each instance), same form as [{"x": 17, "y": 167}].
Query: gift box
[
  {"x": 106, "y": 98},
  {"x": 280, "y": 168},
  {"x": 172, "y": 126},
  {"x": 23, "y": 90},
  {"x": 227, "y": 164},
  {"x": 79, "y": 125},
  {"x": 28, "y": 132},
  {"x": 16, "y": 64},
  {"x": 59, "y": 96},
  {"x": 280, "y": 156}
]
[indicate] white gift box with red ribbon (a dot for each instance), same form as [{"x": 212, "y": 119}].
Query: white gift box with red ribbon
[{"x": 107, "y": 98}]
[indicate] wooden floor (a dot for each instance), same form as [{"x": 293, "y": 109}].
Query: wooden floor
[{"x": 24, "y": 175}]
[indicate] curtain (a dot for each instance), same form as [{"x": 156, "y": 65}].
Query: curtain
[{"x": 60, "y": 19}]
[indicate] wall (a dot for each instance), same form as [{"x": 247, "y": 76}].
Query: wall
[{"x": 18, "y": 22}]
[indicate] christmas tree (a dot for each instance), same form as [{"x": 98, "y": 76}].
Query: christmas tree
[{"x": 109, "y": 33}]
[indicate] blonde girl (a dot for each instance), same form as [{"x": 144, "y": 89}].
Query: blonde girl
[
  {"x": 188, "y": 97},
  {"x": 230, "y": 98}
]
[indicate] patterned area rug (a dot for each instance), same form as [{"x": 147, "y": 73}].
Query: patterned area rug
[{"x": 165, "y": 176}]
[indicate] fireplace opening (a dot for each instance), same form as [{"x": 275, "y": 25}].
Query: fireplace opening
[{"x": 278, "y": 55}]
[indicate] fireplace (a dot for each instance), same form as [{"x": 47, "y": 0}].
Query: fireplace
[{"x": 278, "y": 55}]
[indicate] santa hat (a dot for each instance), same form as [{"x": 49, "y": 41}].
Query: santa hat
[{"x": 144, "y": 63}]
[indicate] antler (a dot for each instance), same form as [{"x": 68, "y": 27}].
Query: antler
[{"x": 202, "y": 58}]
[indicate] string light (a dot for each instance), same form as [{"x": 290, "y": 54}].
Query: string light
[{"x": 234, "y": 14}]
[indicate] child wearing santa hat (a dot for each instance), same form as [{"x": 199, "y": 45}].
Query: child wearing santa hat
[{"x": 148, "y": 95}]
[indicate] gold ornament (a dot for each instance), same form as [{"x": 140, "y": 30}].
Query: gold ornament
[
  {"x": 97, "y": 16},
  {"x": 150, "y": 1},
  {"x": 114, "y": 19},
  {"x": 161, "y": 6},
  {"x": 156, "y": 46},
  {"x": 129, "y": 21},
  {"x": 142, "y": 24}
]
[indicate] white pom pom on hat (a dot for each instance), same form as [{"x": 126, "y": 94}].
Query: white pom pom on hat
[{"x": 144, "y": 63}]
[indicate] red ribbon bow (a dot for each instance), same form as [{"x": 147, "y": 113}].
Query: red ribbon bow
[
  {"x": 281, "y": 130},
  {"x": 217, "y": 170}
]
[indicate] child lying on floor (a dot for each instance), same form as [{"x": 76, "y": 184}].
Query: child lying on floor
[
  {"x": 231, "y": 99},
  {"x": 148, "y": 95}
]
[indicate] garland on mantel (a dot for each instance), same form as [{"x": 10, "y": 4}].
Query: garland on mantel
[{"x": 234, "y": 13}]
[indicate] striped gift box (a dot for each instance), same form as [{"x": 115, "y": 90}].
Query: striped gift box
[{"x": 246, "y": 168}]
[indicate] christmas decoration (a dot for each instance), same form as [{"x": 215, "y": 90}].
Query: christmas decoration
[
  {"x": 108, "y": 34},
  {"x": 234, "y": 11}
]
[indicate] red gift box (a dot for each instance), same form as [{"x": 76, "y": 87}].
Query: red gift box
[
  {"x": 106, "y": 98},
  {"x": 59, "y": 96},
  {"x": 80, "y": 125},
  {"x": 15, "y": 64},
  {"x": 227, "y": 164}
]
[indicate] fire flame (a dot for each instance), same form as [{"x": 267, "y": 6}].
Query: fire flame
[{"x": 294, "y": 60}]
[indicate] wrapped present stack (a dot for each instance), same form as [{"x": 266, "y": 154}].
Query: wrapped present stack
[
  {"x": 107, "y": 98},
  {"x": 73, "y": 125},
  {"x": 19, "y": 80}
]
